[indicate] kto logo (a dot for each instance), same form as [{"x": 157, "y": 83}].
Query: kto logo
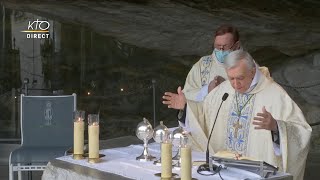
[{"x": 38, "y": 29}]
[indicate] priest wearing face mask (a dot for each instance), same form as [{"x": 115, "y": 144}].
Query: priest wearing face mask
[
  {"x": 258, "y": 120},
  {"x": 208, "y": 72}
]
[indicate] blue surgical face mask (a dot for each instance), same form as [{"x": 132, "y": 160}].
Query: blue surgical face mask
[{"x": 220, "y": 54}]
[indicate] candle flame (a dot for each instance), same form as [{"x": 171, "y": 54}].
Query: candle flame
[{"x": 95, "y": 124}]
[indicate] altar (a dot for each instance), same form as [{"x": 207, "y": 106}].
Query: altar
[{"x": 120, "y": 163}]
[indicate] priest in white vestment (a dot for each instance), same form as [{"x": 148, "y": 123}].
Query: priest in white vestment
[
  {"x": 258, "y": 120},
  {"x": 208, "y": 72}
]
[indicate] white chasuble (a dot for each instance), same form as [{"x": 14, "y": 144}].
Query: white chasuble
[
  {"x": 201, "y": 74},
  {"x": 229, "y": 134}
]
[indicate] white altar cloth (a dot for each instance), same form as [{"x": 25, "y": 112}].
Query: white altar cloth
[{"x": 122, "y": 161}]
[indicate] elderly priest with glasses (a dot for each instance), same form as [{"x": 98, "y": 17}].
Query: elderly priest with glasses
[{"x": 258, "y": 120}]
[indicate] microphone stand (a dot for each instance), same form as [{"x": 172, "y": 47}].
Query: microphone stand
[{"x": 208, "y": 166}]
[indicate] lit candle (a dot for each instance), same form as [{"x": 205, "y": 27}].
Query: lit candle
[
  {"x": 186, "y": 163},
  {"x": 78, "y": 133},
  {"x": 166, "y": 160},
  {"x": 93, "y": 132},
  {"x": 78, "y": 137}
]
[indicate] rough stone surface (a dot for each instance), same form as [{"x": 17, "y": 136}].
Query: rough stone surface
[
  {"x": 181, "y": 30},
  {"x": 316, "y": 60},
  {"x": 301, "y": 80}
]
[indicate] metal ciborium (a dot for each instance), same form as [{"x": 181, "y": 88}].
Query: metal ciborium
[
  {"x": 144, "y": 132},
  {"x": 178, "y": 135},
  {"x": 161, "y": 133}
]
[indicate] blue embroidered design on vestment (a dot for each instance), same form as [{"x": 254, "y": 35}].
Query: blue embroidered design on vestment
[
  {"x": 205, "y": 70},
  {"x": 238, "y": 127}
]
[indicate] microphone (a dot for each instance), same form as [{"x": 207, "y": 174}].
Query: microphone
[{"x": 208, "y": 166}]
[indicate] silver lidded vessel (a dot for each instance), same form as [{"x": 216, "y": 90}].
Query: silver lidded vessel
[{"x": 144, "y": 132}]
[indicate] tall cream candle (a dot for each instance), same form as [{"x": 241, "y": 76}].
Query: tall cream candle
[
  {"x": 78, "y": 136},
  {"x": 166, "y": 160},
  {"x": 186, "y": 163},
  {"x": 93, "y": 131}
]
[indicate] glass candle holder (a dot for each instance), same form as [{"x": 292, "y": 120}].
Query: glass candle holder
[
  {"x": 93, "y": 119},
  {"x": 185, "y": 140},
  {"x": 177, "y": 140},
  {"x": 160, "y": 134},
  {"x": 78, "y": 134},
  {"x": 93, "y": 133},
  {"x": 186, "y": 158}
]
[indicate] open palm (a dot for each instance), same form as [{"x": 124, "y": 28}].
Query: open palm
[{"x": 174, "y": 100}]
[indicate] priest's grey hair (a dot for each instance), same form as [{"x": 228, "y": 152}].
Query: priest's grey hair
[{"x": 234, "y": 57}]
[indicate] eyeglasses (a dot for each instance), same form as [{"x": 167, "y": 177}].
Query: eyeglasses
[{"x": 224, "y": 47}]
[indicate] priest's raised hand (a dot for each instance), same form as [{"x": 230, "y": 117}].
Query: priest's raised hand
[
  {"x": 174, "y": 100},
  {"x": 265, "y": 120}
]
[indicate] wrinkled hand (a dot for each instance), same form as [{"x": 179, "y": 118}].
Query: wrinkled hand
[
  {"x": 265, "y": 120},
  {"x": 173, "y": 100},
  {"x": 215, "y": 82}
]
